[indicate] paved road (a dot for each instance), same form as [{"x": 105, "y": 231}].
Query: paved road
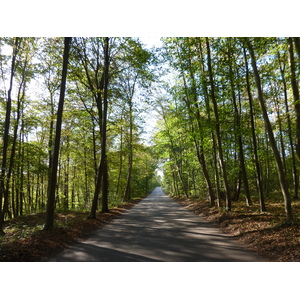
[{"x": 157, "y": 229}]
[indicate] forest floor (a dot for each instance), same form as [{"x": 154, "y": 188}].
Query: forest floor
[
  {"x": 26, "y": 241},
  {"x": 268, "y": 234}
]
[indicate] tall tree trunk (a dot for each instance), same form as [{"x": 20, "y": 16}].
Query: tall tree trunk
[
  {"x": 194, "y": 114},
  {"x": 50, "y": 142},
  {"x": 120, "y": 164},
  {"x": 199, "y": 148},
  {"x": 208, "y": 112},
  {"x": 20, "y": 99},
  {"x": 94, "y": 152},
  {"x": 13, "y": 196},
  {"x": 239, "y": 133},
  {"x": 126, "y": 195},
  {"x": 66, "y": 179},
  {"x": 104, "y": 126},
  {"x": 295, "y": 95},
  {"x": 102, "y": 173},
  {"x": 175, "y": 183},
  {"x": 297, "y": 46},
  {"x": 255, "y": 147},
  {"x": 22, "y": 138},
  {"x": 290, "y": 135},
  {"x": 6, "y": 136},
  {"x": 127, "y": 191},
  {"x": 282, "y": 146},
  {"x": 282, "y": 177},
  {"x": 49, "y": 217},
  {"x": 176, "y": 159},
  {"x": 217, "y": 127},
  {"x": 92, "y": 214}
]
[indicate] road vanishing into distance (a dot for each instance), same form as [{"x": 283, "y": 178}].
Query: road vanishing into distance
[{"x": 157, "y": 229}]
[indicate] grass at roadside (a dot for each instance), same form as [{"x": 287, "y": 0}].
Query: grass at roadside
[
  {"x": 268, "y": 234},
  {"x": 25, "y": 239}
]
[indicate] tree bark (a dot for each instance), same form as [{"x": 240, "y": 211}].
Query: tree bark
[
  {"x": 176, "y": 159},
  {"x": 199, "y": 147},
  {"x": 104, "y": 126},
  {"x": 194, "y": 115},
  {"x": 217, "y": 127},
  {"x": 49, "y": 217},
  {"x": 239, "y": 133},
  {"x": 295, "y": 95},
  {"x": 21, "y": 95},
  {"x": 120, "y": 163},
  {"x": 102, "y": 173},
  {"x": 290, "y": 135},
  {"x": 297, "y": 46},
  {"x": 6, "y": 136},
  {"x": 126, "y": 195},
  {"x": 282, "y": 177},
  {"x": 208, "y": 112},
  {"x": 255, "y": 147}
]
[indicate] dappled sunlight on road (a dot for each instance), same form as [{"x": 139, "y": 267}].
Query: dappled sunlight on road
[{"x": 157, "y": 229}]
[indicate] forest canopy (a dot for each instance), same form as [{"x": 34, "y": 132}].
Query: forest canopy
[
  {"x": 107, "y": 80},
  {"x": 73, "y": 111},
  {"x": 230, "y": 120}
]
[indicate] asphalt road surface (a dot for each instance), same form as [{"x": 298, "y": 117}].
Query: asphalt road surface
[{"x": 157, "y": 229}]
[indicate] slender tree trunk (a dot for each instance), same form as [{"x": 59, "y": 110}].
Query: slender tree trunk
[
  {"x": 295, "y": 95},
  {"x": 102, "y": 173},
  {"x": 175, "y": 184},
  {"x": 180, "y": 174},
  {"x": 6, "y": 137},
  {"x": 239, "y": 133},
  {"x": 66, "y": 179},
  {"x": 208, "y": 112},
  {"x": 126, "y": 195},
  {"x": 282, "y": 177},
  {"x": 267, "y": 164},
  {"x": 127, "y": 191},
  {"x": 176, "y": 159},
  {"x": 22, "y": 170},
  {"x": 199, "y": 147},
  {"x": 13, "y": 194},
  {"x": 49, "y": 217},
  {"x": 120, "y": 164},
  {"x": 73, "y": 188},
  {"x": 105, "y": 188},
  {"x": 94, "y": 152},
  {"x": 20, "y": 98},
  {"x": 104, "y": 127},
  {"x": 94, "y": 206},
  {"x": 282, "y": 146},
  {"x": 37, "y": 192},
  {"x": 217, "y": 127},
  {"x": 50, "y": 142},
  {"x": 289, "y": 124},
  {"x": 194, "y": 115},
  {"x": 255, "y": 147},
  {"x": 202, "y": 161},
  {"x": 297, "y": 45},
  {"x": 243, "y": 167}
]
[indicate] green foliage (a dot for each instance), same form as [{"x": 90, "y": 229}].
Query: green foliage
[
  {"x": 187, "y": 113},
  {"x": 38, "y": 68},
  {"x": 185, "y": 130}
]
